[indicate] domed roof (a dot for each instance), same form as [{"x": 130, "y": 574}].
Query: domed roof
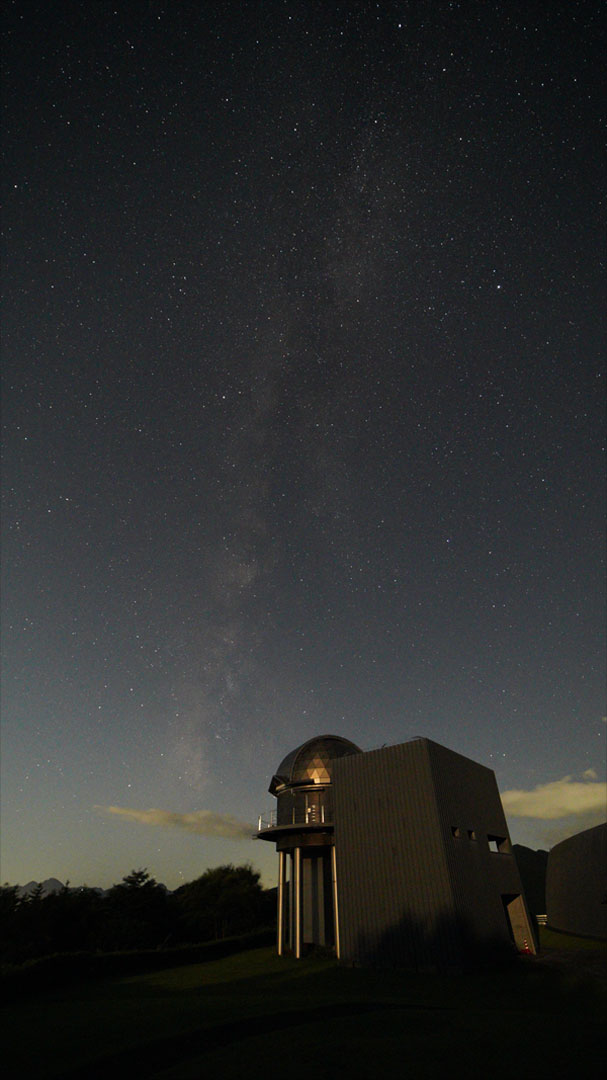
[{"x": 310, "y": 763}]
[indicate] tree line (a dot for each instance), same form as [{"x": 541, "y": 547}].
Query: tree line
[{"x": 138, "y": 913}]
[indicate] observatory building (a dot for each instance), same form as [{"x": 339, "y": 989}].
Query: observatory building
[
  {"x": 394, "y": 857},
  {"x": 576, "y": 884}
]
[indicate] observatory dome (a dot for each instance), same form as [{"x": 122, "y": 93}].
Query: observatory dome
[{"x": 310, "y": 763}]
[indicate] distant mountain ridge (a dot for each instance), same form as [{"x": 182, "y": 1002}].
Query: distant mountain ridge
[
  {"x": 531, "y": 864},
  {"x": 49, "y": 887}
]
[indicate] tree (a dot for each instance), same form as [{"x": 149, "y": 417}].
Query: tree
[
  {"x": 137, "y": 879},
  {"x": 224, "y": 901},
  {"x": 137, "y": 913}
]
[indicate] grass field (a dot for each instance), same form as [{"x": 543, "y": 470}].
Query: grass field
[{"x": 253, "y": 1015}]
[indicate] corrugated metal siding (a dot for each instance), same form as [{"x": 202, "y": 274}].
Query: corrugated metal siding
[
  {"x": 394, "y": 888},
  {"x": 411, "y": 892},
  {"x": 468, "y": 800}
]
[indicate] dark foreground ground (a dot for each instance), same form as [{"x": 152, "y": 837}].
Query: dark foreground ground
[{"x": 254, "y": 1015}]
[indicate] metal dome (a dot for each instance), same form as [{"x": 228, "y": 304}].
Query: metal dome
[{"x": 310, "y": 763}]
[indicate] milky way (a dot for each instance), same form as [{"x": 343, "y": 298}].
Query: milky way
[{"x": 303, "y": 412}]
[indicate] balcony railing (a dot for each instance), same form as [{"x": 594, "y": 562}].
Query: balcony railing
[
  {"x": 308, "y": 815},
  {"x": 267, "y": 820}
]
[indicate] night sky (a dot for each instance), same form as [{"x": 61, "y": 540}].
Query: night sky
[{"x": 302, "y": 412}]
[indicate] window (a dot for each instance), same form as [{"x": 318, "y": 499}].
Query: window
[
  {"x": 471, "y": 834},
  {"x": 456, "y": 831},
  {"x": 499, "y": 844}
]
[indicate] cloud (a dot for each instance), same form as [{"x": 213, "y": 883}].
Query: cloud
[
  {"x": 558, "y": 799},
  {"x": 201, "y": 822},
  {"x": 555, "y": 833}
]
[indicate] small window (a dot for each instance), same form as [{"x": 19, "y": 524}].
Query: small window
[
  {"x": 471, "y": 834},
  {"x": 499, "y": 844},
  {"x": 456, "y": 831}
]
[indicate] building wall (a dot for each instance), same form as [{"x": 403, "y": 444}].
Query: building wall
[
  {"x": 417, "y": 882},
  {"x": 394, "y": 893},
  {"x": 576, "y": 884},
  {"x": 484, "y": 875}
]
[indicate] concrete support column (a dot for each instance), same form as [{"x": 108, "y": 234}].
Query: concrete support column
[
  {"x": 281, "y": 901},
  {"x": 291, "y": 903},
  {"x": 297, "y": 912},
  {"x": 335, "y": 900}
]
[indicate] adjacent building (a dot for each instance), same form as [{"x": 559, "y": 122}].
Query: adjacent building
[
  {"x": 576, "y": 884},
  {"x": 394, "y": 857}
]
